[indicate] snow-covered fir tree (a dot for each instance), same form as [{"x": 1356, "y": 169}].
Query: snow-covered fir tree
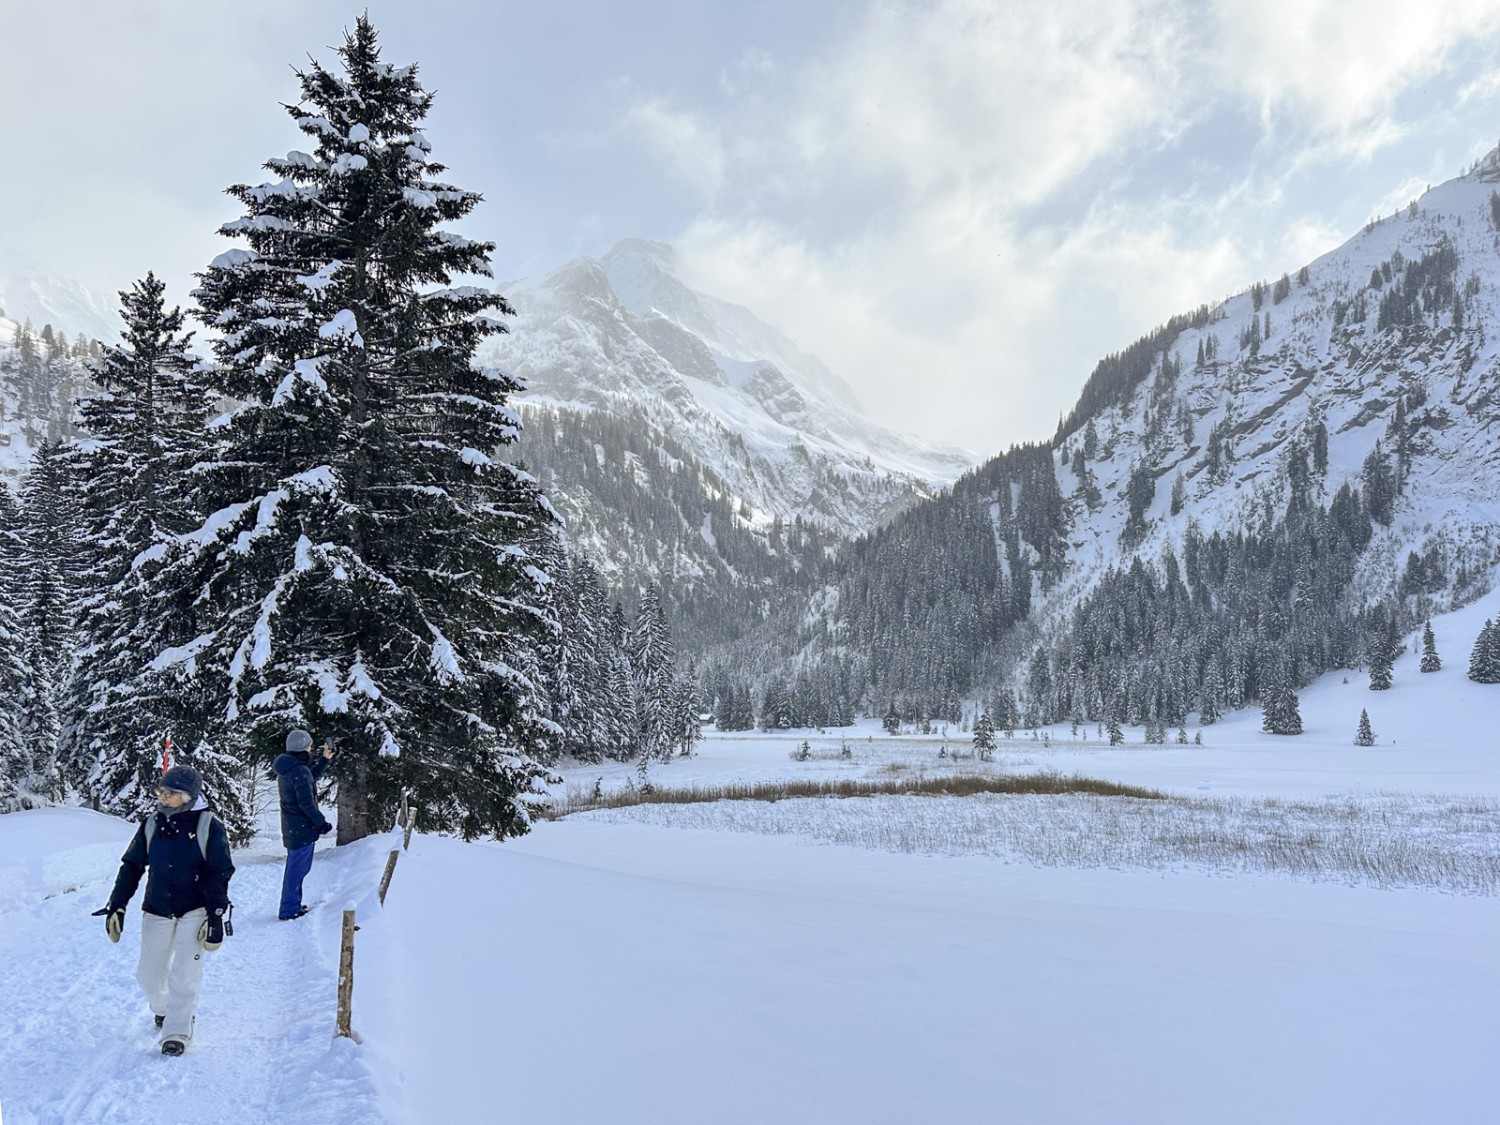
[
  {"x": 364, "y": 571},
  {"x": 1431, "y": 662},
  {"x": 620, "y": 706},
  {"x": 984, "y": 736},
  {"x": 653, "y": 666},
  {"x": 1380, "y": 666},
  {"x": 1484, "y": 659},
  {"x": 1281, "y": 714},
  {"x": 15, "y": 680},
  {"x": 1364, "y": 735},
  {"x": 45, "y": 590},
  {"x": 130, "y": 486}
]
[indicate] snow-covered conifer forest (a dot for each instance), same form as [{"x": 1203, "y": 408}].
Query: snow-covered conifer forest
[{"x": 764, "y": 764}]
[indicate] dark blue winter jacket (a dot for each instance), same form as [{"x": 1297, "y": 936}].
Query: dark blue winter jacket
[
  {"x": 178, "y": 877},
  {"x": 301, "y": 819}
]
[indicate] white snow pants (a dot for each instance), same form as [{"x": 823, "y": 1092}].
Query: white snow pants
[{"x": 171, "y": 969}]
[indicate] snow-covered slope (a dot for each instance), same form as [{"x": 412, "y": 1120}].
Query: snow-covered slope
[
  {"x": 1393, "y": 338},
  {"x": 625, "y": 334}
]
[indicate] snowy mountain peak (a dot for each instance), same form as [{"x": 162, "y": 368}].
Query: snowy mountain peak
[
  {"x": 29, "y": 292},
  {"x": 627, "y": 334},
  {"x": 648, "y": 280}
]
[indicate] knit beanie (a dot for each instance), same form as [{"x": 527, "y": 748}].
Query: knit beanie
[
  {"x": 298, "y": 741},
  {"x": 184, "y": 779}
]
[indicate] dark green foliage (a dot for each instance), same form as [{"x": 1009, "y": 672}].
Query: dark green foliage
[
  {"x": 1320, "y": 447},
  {"x": 43, "y": 593},
  {"x": 132, "y": 496},
  {"x": 919, "y": 602},
  {"x": 1484, "y": 660},
  {"x": 1280, "y": 713},
  {"x": 1422, "y": 288},
  {"x": 16, "y": 685},
  {"x": 1381, "y": 654},
  {"x": 366, "y": 572},
  {"x": 1140, "y": 491},
  {"x": 984, "y": 736},
  {"x": 1381, "y": 486},
  {"x": 1118, "y": 374},
  {"x": 1364, "y": 735},
  {"x": 1179, "y": 494},
  {"x": 1431, "y": 662},
  {"x": 618, "y": 478},
  {"x": 1192, "y": 634},
  {"x": 891, "y": 722}
]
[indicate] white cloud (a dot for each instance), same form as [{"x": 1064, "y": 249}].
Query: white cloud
[
  {"x": 1341, "y": 65},
  {"x": 684, "y": 141},
  {"x": 978, "y": 270}
]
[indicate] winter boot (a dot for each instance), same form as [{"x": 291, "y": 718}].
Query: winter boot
[
  {"x": 159, "y": 1021},
  {"x": 173, "y": 1047},
  {"x": 300, "y": 911}
]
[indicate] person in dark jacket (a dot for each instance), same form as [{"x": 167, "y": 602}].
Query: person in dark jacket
[
  {"x": 302, "y": 822},
  {"x": 182, "y": 913}
]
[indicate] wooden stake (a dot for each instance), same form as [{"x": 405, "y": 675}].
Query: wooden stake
[
  {"x": 405, "y": 822},
  {"x": 346, "y": 978},
  {"x": 390, "y": 869}
]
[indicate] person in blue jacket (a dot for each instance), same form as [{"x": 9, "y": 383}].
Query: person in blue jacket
[
  {"x": 302, "y": 822},
  {"x": 183, "y": 851}
]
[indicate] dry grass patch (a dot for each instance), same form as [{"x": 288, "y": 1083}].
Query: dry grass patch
[{"x": 953, "y": 785}]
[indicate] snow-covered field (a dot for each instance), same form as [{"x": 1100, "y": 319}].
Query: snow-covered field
[{"x": 724, "y": 963}]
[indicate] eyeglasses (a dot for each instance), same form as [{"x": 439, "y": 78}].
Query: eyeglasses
[{"x": 163, "y": 793}]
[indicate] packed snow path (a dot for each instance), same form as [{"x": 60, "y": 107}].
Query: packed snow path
[{"x": 79, "y": 1044}]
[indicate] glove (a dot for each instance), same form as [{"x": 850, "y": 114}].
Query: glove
[
  {"x": 211, "y": 933},
  {"x": 114, "y": 920},
  {"x": 327, "y": 828}
]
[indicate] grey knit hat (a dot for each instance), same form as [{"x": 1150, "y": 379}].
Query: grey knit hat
[
  {"x": 298, "y": 741},
  {"x": 184, "y": 779}
]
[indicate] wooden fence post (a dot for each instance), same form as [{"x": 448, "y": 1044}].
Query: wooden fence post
[
  {"x": 390, "y": 869},
  {"x": 346, "y": 978},
  {"x": 405, "y": 822}
]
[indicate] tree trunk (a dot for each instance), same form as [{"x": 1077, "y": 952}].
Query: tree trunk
[{"x": 356, "y": 811}]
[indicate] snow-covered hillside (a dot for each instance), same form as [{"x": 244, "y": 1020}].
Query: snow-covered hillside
[
  {"x": 625, "y": 335},
  {"x": 1393, "y": 338}
]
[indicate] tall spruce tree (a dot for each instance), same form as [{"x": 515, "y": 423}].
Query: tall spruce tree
[
  {"x": 1484, "y": 660},
  {"x": 1431, "y": 662},
  {"x": 1281, "y": 715},
  {"x": 653, "y": 667},
  {"x": 15, "y": 679},
  {"x": 1381, "y": 661},
  {"x": 48, "y": 572},
  {"x": 132, "y": 497},
  {"x": 364, "y": 572},
  {"x": 1364, "y": 735},
  {"x": 984, "y": 736}
]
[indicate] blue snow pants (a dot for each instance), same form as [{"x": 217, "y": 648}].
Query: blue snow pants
[{"x": 298, "y": 864}]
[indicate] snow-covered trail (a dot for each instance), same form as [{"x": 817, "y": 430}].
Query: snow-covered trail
[{"x": 79, "y": 1045}]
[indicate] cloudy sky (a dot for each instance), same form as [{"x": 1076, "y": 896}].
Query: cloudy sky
[{"x": 960, "y": 205}]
